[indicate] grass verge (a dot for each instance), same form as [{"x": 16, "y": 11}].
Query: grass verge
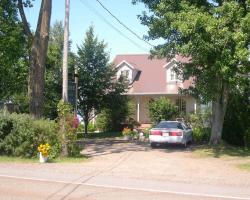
[
  {"x": 245, "y": 166},
  {"x": 9, "y": 159},
  {"x": 223, "y": 150}
]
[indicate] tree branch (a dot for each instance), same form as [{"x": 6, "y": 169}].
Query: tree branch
[{"x": 24, "y": 19}]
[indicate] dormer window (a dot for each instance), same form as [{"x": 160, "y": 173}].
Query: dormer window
[
  {"x": 173, "y": 75},
  {"x": 125, "y": 73}
]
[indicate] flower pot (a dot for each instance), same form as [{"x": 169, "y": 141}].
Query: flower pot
[
  {"x": 127, "y": 137},
  {"x": 42, "y": 159}
]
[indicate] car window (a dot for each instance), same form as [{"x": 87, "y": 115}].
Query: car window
[{"x": 169, "y": 125}]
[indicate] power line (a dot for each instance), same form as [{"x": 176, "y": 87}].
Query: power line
[
  {"x": 113, "y": 27},
  {"x": 124, "y": 25}
]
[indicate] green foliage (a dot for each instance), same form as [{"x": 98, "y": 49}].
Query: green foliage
[
  {"x": 68, "y": 131},
  {"x": 105, "y": 135},
  {"x": 53, "y": 76},
  {"x": 96, "y": 76},
  {"x": 236, "y": 126},
  {"x": 201, "y": 134},
  {"x": 201, "y": 125},
  {"x": 161, "y": 109},
  {"x": 215, "y": 35},
  {"x": 118, "y": 108},
  {"x": 20, "y": 135},
  {"x": 13, "y": 51},
  {"x": 91, "y": 128}
]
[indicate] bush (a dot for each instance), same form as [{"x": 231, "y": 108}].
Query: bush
[
  {"x": 21, "y": 134},
  {"x": 201, "y": 134},
  {"x": 201, "y": 125},
  {"x": 236, "y": 127},
  {"x": 68, "y": 130},
  {"x": 161, "y": 109}
]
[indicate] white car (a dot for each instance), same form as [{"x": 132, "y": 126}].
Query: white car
[{"x": 170, "y": 132}]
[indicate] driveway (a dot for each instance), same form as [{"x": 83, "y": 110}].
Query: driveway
[{"x": 128, "y": 170}]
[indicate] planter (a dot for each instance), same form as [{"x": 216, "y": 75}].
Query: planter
[
  {"x": 42, "y": 159},
  {"x": 127, "y": 137}
]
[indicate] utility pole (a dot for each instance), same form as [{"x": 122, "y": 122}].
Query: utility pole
[
  {"x": 65, "y": 76},
  {"x": 65, "y": 52}
]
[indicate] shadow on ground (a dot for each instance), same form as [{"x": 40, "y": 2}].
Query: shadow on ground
[{"x": 97, "y": 147}]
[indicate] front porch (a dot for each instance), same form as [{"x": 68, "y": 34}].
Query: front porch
[{"x": 185, "y": 104}]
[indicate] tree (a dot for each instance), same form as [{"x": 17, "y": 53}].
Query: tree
[
  {"x": 53, "y": 73},
  {"x": 37, "y": 55},
  {"x": 215, "y": 36},
  {"x": 13, "y": 68},
  {"x": 96, "y": 77},
  {"x": 161, "y": 109}
]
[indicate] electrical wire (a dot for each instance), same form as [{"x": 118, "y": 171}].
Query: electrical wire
[
  {"x": 124, "y": 25},
  {"x": 109, "y": 24}
]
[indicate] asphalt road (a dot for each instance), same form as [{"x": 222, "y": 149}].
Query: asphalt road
[{"x": 113, "y": 173}]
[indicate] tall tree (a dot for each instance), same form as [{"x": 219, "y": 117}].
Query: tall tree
[
  {"x": 53, "y": 72},
  {"x": 96, "y": 76},
  {"x": 215, "y": 34},
  {"x": 13, "y": 68},
  {"x": 37, "y": 56}
]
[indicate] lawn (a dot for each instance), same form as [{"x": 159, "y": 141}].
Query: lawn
[
  {"x": 101, "y": 135},
  {"x": 10, "y": 159},
  {"x": 245, "y": 166},
  {"x": 222, "y": 150}
]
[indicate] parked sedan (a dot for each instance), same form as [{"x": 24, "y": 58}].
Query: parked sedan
[{"x": 172, "y": 132}]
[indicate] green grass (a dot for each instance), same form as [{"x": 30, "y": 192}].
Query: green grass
[
  {"x": 17, "y": 159},
  {"x": 245, "y": 166},
  {"x": 222, "y": 150},
  {"x": 10, "y": 159},
  {"x": 101, "y": 135}
]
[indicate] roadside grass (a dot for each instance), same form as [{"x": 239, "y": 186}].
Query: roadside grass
[
  {"x": 245, "y": 166},
  {"x": 220, "y": 151},
  {"x": 101, "y": 135},
  {"x": 10, "y": 159}
]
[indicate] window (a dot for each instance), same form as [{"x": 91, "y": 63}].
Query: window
[
  {"x": 173, "y": 75},
  {"x": 181, "y": 105},
  {"x": 125, "y": 73}
]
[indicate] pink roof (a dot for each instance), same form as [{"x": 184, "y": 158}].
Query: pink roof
[{"x": 152, "y": 79}]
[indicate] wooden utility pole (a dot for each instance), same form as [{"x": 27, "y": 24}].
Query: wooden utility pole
[
  {"x": 65, "y": 76},
  {"x": 65, "y": 52}
]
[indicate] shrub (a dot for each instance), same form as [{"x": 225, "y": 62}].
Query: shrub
[
  {"x": 68, "y": 131},
  {"x": 115, "y": 113},
  {"x": 21, "y": 134},
  {"x": 236, "y": 127},
  {"x": 161, "y": 109},
  {"x": 201, "y": 125},
  {"x": 91, "y": 128},
  {"x": 201, "y": 134}
]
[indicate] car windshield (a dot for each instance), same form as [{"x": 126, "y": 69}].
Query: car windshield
[{"x": 168, "y": 125}]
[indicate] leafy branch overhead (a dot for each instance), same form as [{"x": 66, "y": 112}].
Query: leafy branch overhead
[{"x": 215, "y": 35}]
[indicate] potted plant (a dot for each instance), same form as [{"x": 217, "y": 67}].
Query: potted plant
[
  {"x": 127, "y": 133},
  {"x": 43, "y": 152}
]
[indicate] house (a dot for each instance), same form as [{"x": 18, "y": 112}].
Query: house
[{"x": 153, "y": 78}]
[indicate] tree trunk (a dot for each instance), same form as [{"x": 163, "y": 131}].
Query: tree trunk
[
  {"x": 37, "y": 60},
  {"x": 219, "y": 105},
  {"x": 37, "y": 57},
  {"x": 86, "y": 123}
]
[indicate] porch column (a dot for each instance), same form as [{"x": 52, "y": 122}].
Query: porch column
[
  {"x": 195, "y": 107},
  {"x": 138, "y": 109}
]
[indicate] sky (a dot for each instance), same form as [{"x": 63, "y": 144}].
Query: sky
[{"x": 84, "y": 13}]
